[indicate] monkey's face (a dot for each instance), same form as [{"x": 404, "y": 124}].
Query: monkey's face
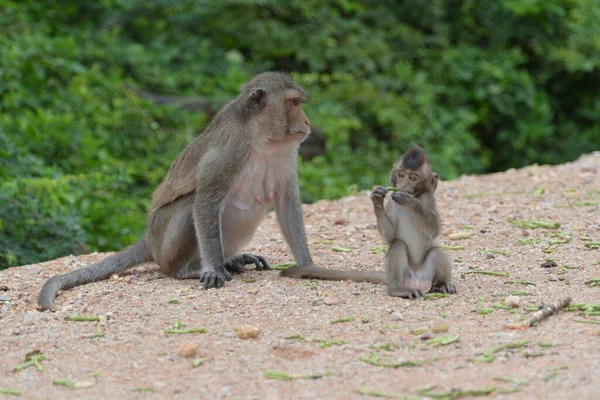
[
  {"x": 298, "y": 123},
  {"x": 417, "y": 181},
  {"x": 407, "y": 180}
]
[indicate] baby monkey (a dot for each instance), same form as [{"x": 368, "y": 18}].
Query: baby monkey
[{"x": 410, "y": 225}]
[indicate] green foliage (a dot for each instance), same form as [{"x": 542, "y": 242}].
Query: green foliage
[{"x": 483, "y": 85}]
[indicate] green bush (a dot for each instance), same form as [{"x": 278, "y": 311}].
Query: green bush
[{"x": 483, "y": 85}]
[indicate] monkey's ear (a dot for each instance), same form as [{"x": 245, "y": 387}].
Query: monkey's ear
[
  {"x": 434, "y": 181},
  {"x": 257, "y": 99}
]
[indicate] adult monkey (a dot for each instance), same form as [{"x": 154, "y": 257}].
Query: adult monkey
[
  {"x": 411, "y": 226},
  {"x": 217, "y": 192}
]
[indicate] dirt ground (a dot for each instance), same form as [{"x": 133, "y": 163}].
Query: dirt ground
[{"x": 130, "y": 356}]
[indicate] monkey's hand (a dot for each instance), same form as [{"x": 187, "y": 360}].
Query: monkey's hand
[
  {"x": 403, "y": 198},
  {"x": 214, "y": 277},
  {"x": 236, "y": 264},
  {"x": 377, "y": 196}
]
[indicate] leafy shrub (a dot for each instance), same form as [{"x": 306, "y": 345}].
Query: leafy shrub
[{"x": 483, "y": 85}]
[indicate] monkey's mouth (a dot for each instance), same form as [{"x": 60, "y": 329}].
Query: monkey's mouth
[{"x": 301, "y": 132}]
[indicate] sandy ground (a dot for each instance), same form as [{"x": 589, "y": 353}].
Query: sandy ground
[{"x": 130, "y": 355}]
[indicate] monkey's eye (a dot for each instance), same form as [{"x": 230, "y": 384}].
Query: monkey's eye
[
  {"x": 413, "y": 178},
  {"x": 296, "y": 102},
  {"x": 401, "y": 175}
]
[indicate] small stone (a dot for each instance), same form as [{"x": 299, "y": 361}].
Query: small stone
[
  {"x": 489, "y": 256},
  {"x": 33, "y": 270},
  {"x": 460, "y": 235},
  {"x": 188, "y": 350},
  {"x": 525, "y": 233},
  {"x": 397, "y": 317},
  {"x": 315, "y": 302},
  {"x": 247, "y": 332},
  {"x": 83, "y": 385},
  {"x": 553, "y": 278},
  {"x": 425, "y": 336},
  {"x": 330, "y": 301},
  {"x": 512, "y": 301},
  {"x": 114, "y": 277},
  {"x": 5, "y": 297},
  {"x": 440, "y": 328},
  {"x": 339, "y": 221},
  {"x": 549, "y": 264}
]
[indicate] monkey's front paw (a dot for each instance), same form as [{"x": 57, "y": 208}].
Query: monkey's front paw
[
  {"x": 448, "y": 288},
  {"x": 411, "y": 294},
  {"x": 402, "y": 197},
  {"x": 214, "y": 278},
  {"x": 235, "y": 266},
  {"x": 378, "y": 195},
  {"x": 260, "y": 262}
]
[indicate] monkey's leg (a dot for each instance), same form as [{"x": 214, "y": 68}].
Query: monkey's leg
[
  {"x": 398, "y": 271},
  {"x": 236, "y": 264},
  {"x": 437, "y": 261},
  {"x": 189, "y": 270},
  {"x": 172, "y": 237}
]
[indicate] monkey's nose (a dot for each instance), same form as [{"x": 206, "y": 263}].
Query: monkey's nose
[{"x": 307, "y": 122}]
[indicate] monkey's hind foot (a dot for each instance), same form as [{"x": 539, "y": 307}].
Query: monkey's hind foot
[
  {"x": 411, "y": 294},
  {"x": 236, "y": 264},
  {"x": 214, "y": 278},
  {"x": 448, "y": 288}
]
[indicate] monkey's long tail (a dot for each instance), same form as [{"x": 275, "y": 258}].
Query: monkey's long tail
[
  {"x": 114, "y": 264},
  {"x": 334, "y": 274}
]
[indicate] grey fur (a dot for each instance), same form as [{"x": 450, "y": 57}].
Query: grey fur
[
  {"x": 114, "y": 264},
  {"x": 410, "y": 226},
  {"x": 194, "y": 230}
]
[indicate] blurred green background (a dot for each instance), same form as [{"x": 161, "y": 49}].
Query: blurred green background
[{"x": 98, "y": 97}]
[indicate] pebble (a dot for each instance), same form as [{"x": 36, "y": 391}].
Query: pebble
[
  {"x": 330, "y": 301},
  {"x": 553, "y": 278},
  {"x": 489, "y": 256},
  {"x": 188, "y": 350},
  {"x": 397, "y": 317},
  {"x": 339, "y": 221},
  {"x": 247, "y": 332},
  {"x": 549, "y": 264},
  {"x": 440, "y": 328},
  {"x": 512, "y": 301},
  {"x": 5, "y": 298},
  {"x": 315, "y": 302}
]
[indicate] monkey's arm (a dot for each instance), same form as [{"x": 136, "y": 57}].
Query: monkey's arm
[
  {"x": 216, "y": 177},
  {"x": 289, "y": 216},
  {"x": 386, "y": 228},
  {"x": 424, "y": 207}
]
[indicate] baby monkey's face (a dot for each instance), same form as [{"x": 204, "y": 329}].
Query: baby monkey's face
[{"x": 407, "y": 180}]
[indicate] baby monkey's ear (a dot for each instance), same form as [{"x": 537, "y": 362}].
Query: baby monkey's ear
[{"x": 434, "y": 181}]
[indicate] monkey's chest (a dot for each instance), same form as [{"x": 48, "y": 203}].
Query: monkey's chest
[
  {"x": 255, "y": 189},
  {"x": 251, "y": 197},
  {"x": 410, "y": 230}
]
